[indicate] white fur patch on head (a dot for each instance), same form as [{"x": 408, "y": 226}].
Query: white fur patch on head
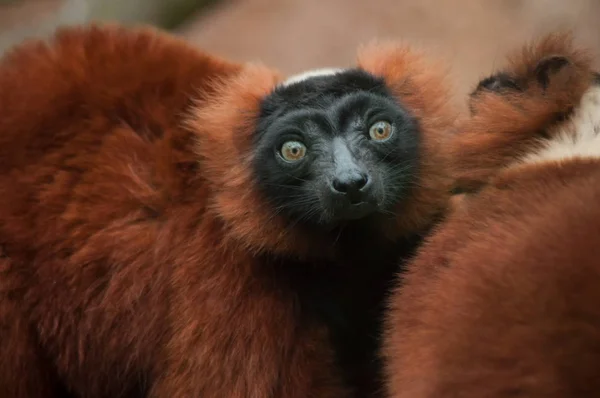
[
  {"x": 311, "y": 73},
  {"x": 579, "y": 137}
]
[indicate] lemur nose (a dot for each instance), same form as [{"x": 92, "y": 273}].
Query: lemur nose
[{"x": 351, "y": 185}]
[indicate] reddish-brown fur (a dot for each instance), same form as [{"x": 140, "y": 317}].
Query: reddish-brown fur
[
  {"x": 502, "y": 301},
  {"x": 132, "y": 233}
]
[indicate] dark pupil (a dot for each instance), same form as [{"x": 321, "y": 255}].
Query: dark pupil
[
  {"x": 294, "y": 151},
  {"x": 380, "y": 130}
]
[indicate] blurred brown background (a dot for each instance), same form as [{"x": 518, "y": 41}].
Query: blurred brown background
[{"x": 294, "y": 35}]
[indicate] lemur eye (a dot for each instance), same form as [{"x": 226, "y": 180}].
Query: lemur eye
[
  {"x": 380, "y": 131},
  {"x": 293, "y": 151}
]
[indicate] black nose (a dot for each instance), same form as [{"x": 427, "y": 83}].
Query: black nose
[{"x": 351, "y": 186}]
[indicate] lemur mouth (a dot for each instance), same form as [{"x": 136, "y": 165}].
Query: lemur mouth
[{"x": 356, "y": 211}]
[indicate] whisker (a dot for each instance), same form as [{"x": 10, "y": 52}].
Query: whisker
[
  {"x": 297, "y": 178},
  {"x": 388, "y": 212},
  {"x": 292, "y": 187},
  {"x": 389, "y": 153}
]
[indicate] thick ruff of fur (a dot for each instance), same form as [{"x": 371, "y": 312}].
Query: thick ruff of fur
[
  {"x": 502, "y": 301},
  {"x": 137, "y": 254}
]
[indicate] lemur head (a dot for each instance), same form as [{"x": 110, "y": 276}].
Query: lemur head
[
  {"x": 330, "y": 147},
  {"x": 335, "y": 146}
]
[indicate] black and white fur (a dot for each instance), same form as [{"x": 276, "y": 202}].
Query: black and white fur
[{"x": 331, "y": 111}]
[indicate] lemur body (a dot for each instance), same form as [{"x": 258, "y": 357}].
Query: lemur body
[{"x": 176, "y": 225}]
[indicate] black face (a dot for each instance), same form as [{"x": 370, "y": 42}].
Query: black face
[{"x": 335, "y": 148}]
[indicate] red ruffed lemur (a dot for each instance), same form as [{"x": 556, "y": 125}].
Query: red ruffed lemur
[
  {"x": 175, "y": 225},
  {"x": 503, "y": 300}
]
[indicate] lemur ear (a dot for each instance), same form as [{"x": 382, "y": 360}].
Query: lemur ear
[
  {"x": 384, "y": 58},
  {"x": 398, "y": 62},
  {"x": 225, "y": 125},
  {"x": 417, "y": 79}
]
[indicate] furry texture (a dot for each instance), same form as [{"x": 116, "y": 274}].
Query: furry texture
[
  {"x": 138, "y": 256},
  {"x": 502, "y": 299},
  {"x": 579, "y": 138}
]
